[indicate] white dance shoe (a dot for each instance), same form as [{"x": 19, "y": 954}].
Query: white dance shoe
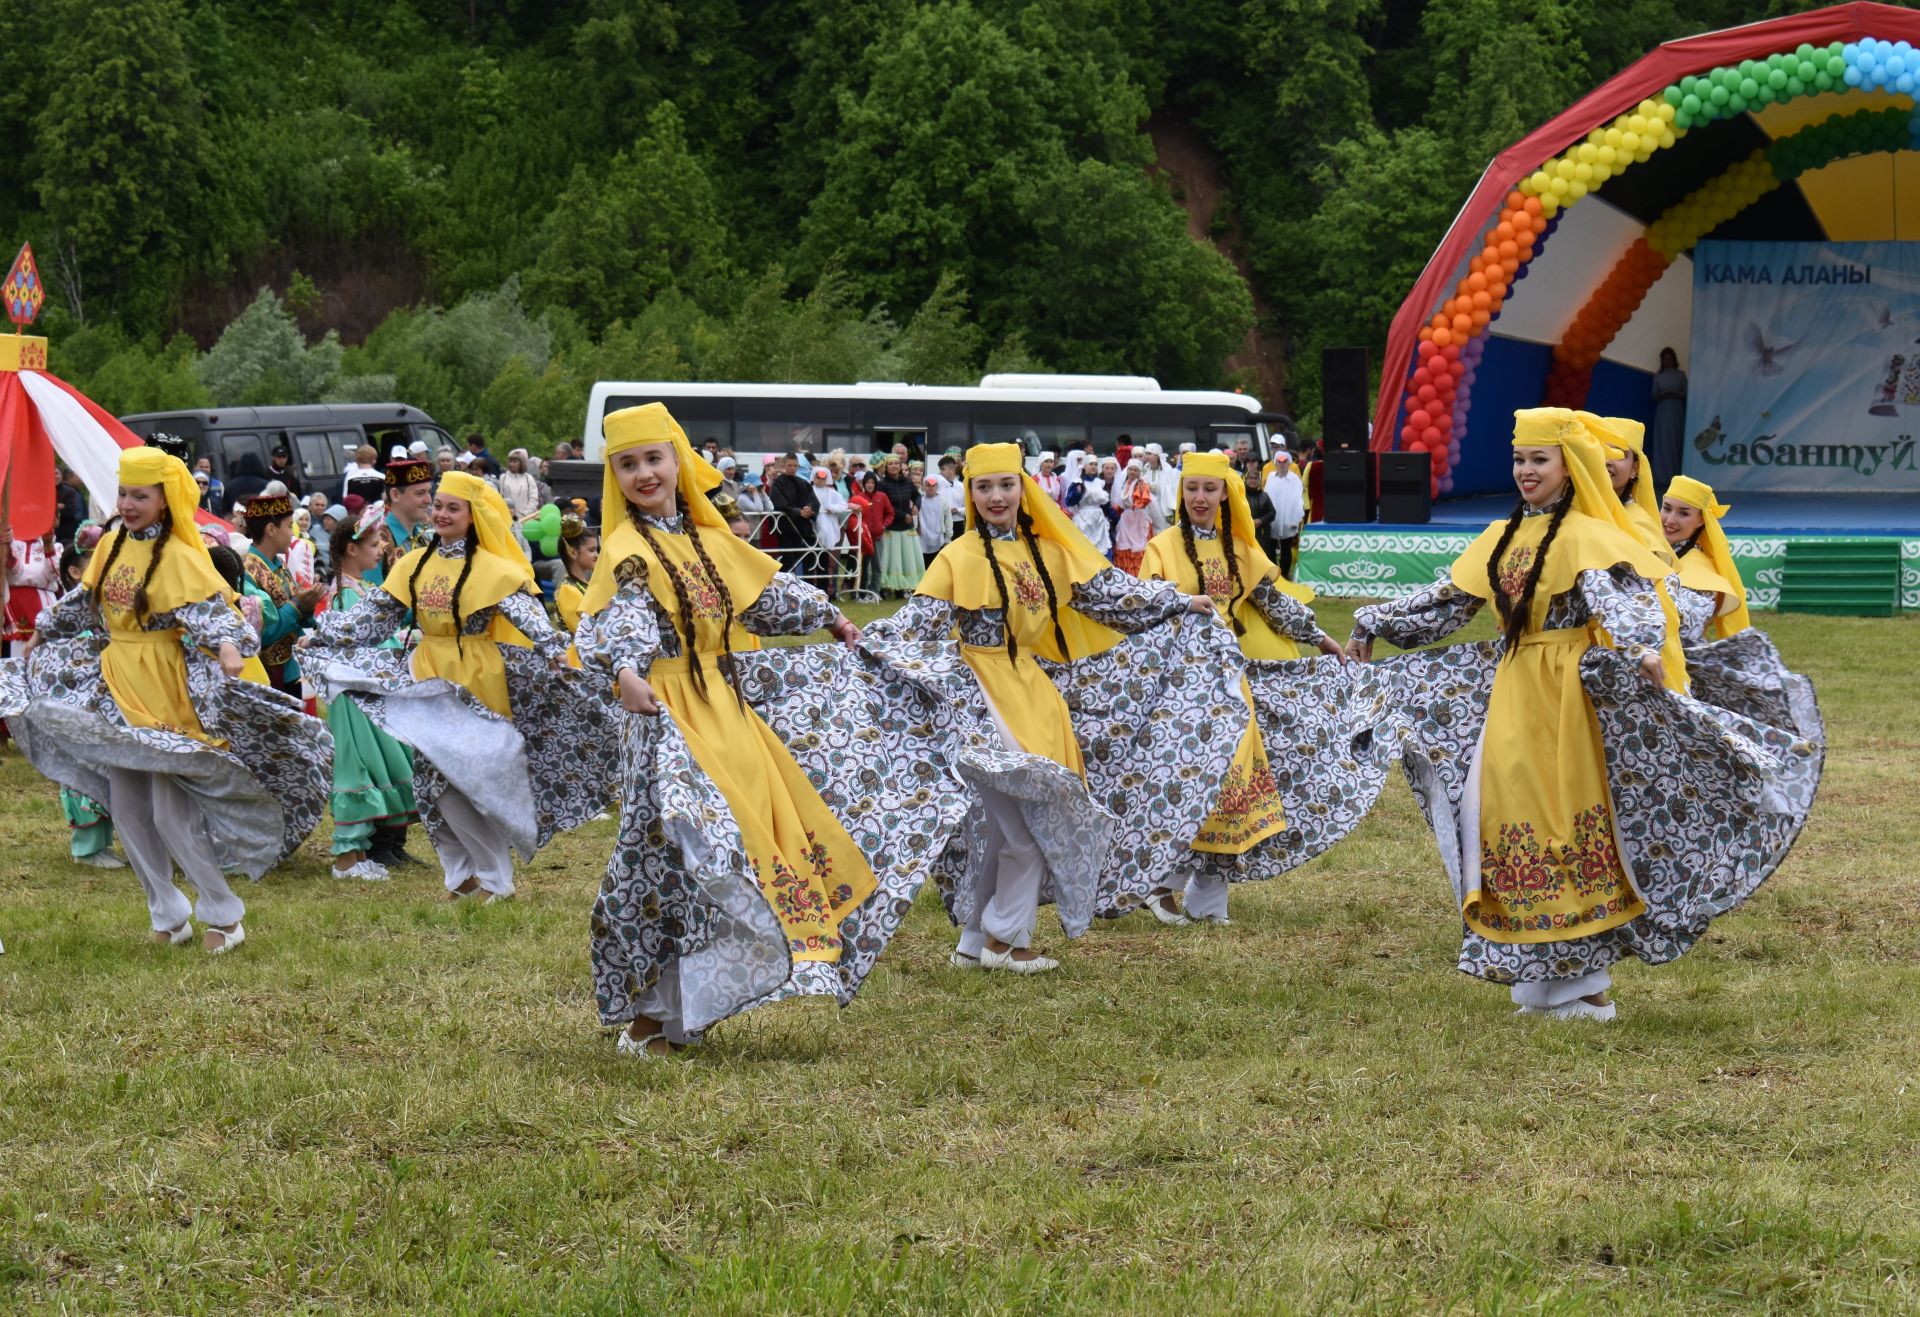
[{"x": 1004, "y": 960}]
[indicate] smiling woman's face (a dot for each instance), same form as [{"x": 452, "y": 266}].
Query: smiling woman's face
[
  {"x": 648, "y": 475},
  {"x": 1540, "y": 474},
  {"x": 996, "y": 498}
]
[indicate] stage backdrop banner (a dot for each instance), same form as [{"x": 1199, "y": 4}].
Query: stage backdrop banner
[{"x": 1806, "y": 367}]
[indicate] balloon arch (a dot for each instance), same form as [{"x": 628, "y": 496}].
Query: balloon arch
[{"x": 1714, "y": 106}]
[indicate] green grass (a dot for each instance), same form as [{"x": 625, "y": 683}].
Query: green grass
[{"x": 388, "y": 1103}]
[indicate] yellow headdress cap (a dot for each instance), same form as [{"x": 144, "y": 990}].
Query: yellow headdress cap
[
  {"x": 995, "y": 460},
  {"x": 1209, "y": 465},
  {"x": 1625, "y": 437},
  {"x": 1697, "y": 494}
]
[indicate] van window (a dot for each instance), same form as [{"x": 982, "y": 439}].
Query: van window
[
  {"x": 314, "y": 453},
  {"x": 233, "y": 444},
  {"x": 385, "y": 438},
  {"x": 433, "y": 437}
]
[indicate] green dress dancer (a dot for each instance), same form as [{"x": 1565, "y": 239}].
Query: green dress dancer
[{"x": 372, "y": 774}]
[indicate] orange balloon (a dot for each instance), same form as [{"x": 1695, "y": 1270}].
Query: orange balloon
[
  {"x": 1516, "y": 200},
  {"x": 1480, "y": 319},
  {"x": 1510, "y": 264},
  {"x": 1442, "y": 337},
  {"x": 1532, "y": 205},
  {"x": 1476, "y": 282},
  {"x": 1503, "y": 232},
  {"x": 1481, "y": 302},
  {"x": 1438, "y": 322},
  {"x": 1462, "y": 326},
  {"x": 1426, "y": 333}
]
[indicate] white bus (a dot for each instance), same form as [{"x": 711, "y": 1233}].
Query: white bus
[{"x": 1044, "y": 413}]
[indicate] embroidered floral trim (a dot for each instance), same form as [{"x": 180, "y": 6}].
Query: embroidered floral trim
[
  {"x": 1513, "y": 572},
  {"x": 1540, "y": 887},
  {"x": 1029, "y": 591},
  {"x": 1248, "y": 809},
  {"x": 698, "y": 589},
  {"x": 119, "y": 587}
]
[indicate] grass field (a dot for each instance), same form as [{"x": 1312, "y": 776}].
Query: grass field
[{"x": 388, "y": 1103}]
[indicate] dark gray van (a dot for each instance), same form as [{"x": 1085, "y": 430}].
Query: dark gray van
[{"x": 320, "y": 437}]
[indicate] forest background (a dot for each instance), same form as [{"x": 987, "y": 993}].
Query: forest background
[{"x": 481, "y": 206}]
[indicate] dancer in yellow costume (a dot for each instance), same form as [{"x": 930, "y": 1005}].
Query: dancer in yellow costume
[
  {"x": 1023, "y": 583},
  {"x": 1716, "y": 597},
  {"x": 1539, "y": 870},
  {"x": 1623, "y": 443},
  {"x": 579, "y": 551},
  {"x": 674, "y": 597},
  {"x": 1212, "y": 551},
  {"x": 1735, "y": 665},
  {"x": 199, "y": 767},
  {"x": 530, "y": 760}
]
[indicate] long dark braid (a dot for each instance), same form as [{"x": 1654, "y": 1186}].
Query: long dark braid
[
  {"x": 413, "y": 582},
  {"x": 1046, "y": 579},
  {"x": 1225, "y": 532},
  {"x": 1513, "y": 616},
  {"x": 682, "y": 605},
  {"x": 106, "y": 569},
  {"x": 1193, "y": 556},
  {"x": 1685, "y": 547},
  {"x": 466, "y": 569},
  {"x": 1006, "y": 600},
  {"x": 728, "y": 668}
]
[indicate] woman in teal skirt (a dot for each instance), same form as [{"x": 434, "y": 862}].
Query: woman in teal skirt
[
  {"x": 91, "y": 842},
  {"x": 372, "y": 772},
  {"x": 902, "y": 563}
]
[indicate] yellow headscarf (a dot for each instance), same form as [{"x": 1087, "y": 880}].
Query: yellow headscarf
[
  {"x": 962, "y": 576},
  {"x": 185, "y": 574},
  {"x": 492, "y": 519},
  {"x": 1713, "y": 541},
  {"x": 1215, "y": 466},
  {"x": 746, "y": 569},
  {"x": 1624, "y": 436},
  {"x": 497, "y": 570},
  {"x": 1608, "y": 539}
]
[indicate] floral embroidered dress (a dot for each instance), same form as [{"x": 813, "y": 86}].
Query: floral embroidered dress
[
  {"x": 1582, "y": 814},
  {"x": 119, "y": 693},
  {"x": 480, "y": 704},
  {"x": 1304, "y": 772},
  {"x": 1144, "y": 725},
  {"x": 766, "y": 849}
]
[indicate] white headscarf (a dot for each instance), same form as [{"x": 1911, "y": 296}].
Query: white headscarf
[{"x": 1288, "y": 497}]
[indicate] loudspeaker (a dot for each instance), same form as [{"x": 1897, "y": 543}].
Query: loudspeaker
[
  {"x": 1406, "y": 488},
  {"x": 1343, "y": 397},
  {"x": 1349, "y": 486}
]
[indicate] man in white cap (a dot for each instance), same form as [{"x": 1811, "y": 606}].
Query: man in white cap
[
  {"x": 1288, "y": 497},
  {"x": 418, "y": 448}
]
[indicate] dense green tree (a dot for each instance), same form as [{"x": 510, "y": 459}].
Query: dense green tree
[
  {"x": 262, "y": 359},
  {"x": 619, "y": 237},
  {"x": 122, "y": 148}
]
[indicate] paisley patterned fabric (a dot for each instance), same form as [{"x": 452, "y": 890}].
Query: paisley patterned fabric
[
  {"x": 261, "y": 794},
  {"x": 1157, "y": 716},
  {"x": 680, "y": 901},
  {"x": 548, "y": 770},
  {"x": 1706, "y": 803}
]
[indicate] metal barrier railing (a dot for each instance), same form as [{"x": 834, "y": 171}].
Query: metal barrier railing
[{"x": 839, "y": 571}]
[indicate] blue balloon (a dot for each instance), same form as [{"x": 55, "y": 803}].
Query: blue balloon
[{"x": 1852, "y": 76}]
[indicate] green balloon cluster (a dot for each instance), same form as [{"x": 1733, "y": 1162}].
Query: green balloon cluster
[
  {"x": 1752, "y": 84},
  {"x": 1711, "y": 205},
  {"x": 1864, "y": 132}
]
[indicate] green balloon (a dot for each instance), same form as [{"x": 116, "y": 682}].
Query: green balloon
[
  {"x": 1823, "y": 82},
  {"x": 1749, "y": 88},
  {"x": 1719, "y": 95},
  {"x": 1836, "y": 66},
  {"x": 1682, "y": 120},
  {"x": 1777, "y": 79},
  {"x": 1690, "y": 105},
  {"x": 1736, "y": 105},
  {"x": 1805, "y": 70}
]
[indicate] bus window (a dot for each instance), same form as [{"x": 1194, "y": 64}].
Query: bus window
[
  {"x": 701, "y": 418},
  {"x": 784, "y": 425}
]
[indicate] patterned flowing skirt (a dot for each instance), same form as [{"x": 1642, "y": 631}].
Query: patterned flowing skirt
[
  {"x": 1327, "y": 749},
  {"x": 261, "y": 789},
  {"x": 1705, "y": 803},
  {"x": 682, "y": 904},
  {"x": 547, "y": 770}
]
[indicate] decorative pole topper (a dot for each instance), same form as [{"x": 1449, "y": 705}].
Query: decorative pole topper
[{"x": 25, "y": 295}]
